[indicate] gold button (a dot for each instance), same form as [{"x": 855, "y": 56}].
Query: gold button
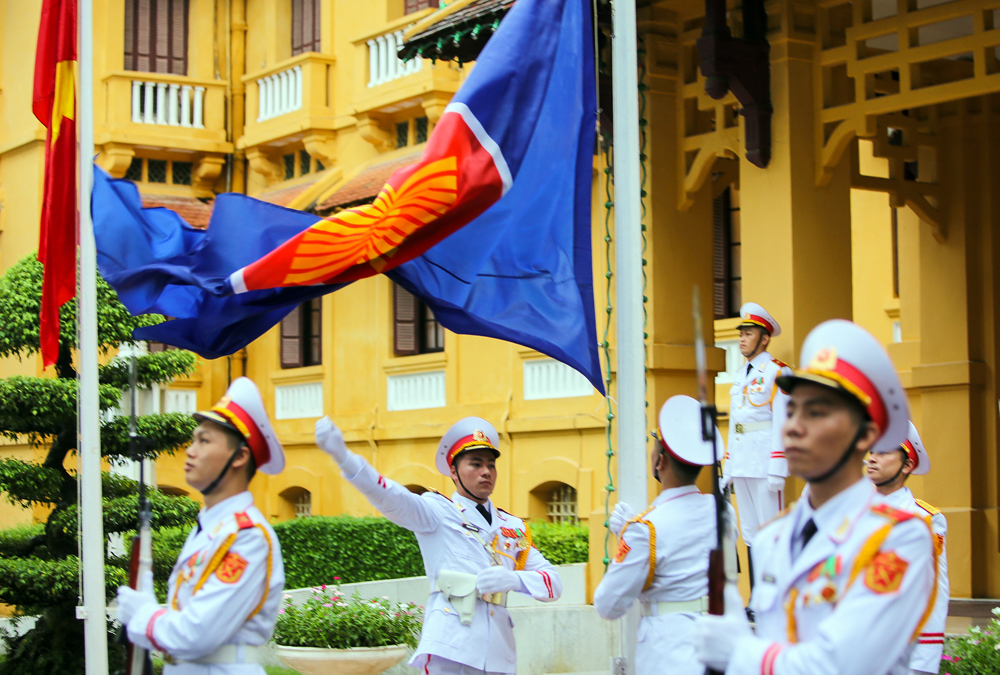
[
  {"x": 491, "y": 612},
  {"x": 447, "y": 609}
]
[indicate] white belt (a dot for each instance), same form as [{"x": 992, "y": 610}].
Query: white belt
[
  {"x": 697, "y": 606},
  {"x": 227, "y": 654},
  {"x": 742, "y": 428}
]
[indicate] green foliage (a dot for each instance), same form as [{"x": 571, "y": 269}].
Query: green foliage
[
  {"x": 12, "y": 541},
  {"x": 26, "y": 483},
  {"x": 42, "y": 406},
  {"x": 120, "y": 514},
  {"x": 561, "y": 544},
  {"x": 319, "y": 548},
  {"x": 165, "y": 432},
  {"x": 975, "y": 653},
  {"x": 327, "y": 619},
  {"x": 158, "y": 368},
  {"x": 20, "y": 301}
]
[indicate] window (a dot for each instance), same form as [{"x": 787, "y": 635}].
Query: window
[
  {"x": 301, "y": 343},
  {"x": 415, "y": 330},
  {"x": 402, "y": 134},
  {"x": 417, "y": 5},
  {"x": 166, "y": 171},
  {"x": 726, "y": 254},
  {"x": 420, "y": 136},
  {"x": 296, "y": 502},
  {"x": 419, "y": 126},
  {"x": 156, "y": 36},
  {"x": 156, "y": 347},
  {"x": 156, "y": 170},
  {"x": 305, "y": 26},
  {"x": 300, "y": 163},
  {"x": 561, "y": 506}
]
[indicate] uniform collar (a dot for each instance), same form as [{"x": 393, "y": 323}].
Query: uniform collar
[
  {"x": 468, "y": 506},
  {"x": 761, "y": 360},
  {"x": 836, "y": 518},
  {"x": 901, "y": 498},
  {"x": 209, "y": 519},
  {"x": 671, "y": 493}
]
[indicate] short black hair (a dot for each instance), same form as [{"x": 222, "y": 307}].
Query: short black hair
[{"x": 686, "y": 473}]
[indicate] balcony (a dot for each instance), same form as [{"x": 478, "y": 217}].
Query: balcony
[
  {"x": 289, "y": 100},
  {"x": 162, "y": 111}
]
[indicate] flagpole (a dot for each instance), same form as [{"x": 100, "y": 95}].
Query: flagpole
[
  {"x": 631, "y": 382},
  {"x": 89, "y": 455}
]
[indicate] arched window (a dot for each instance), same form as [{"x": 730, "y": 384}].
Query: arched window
[
  {"x": 562, "y": 506},
  {"x": 297, "y": 503}
]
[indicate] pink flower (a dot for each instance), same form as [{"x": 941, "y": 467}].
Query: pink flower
[
  {"x": 324, "y": 587},
  {"x": 328, "y": 604},
  {"x": 281, "y": 611},
  {"x": 336, "y": 578},
  {"x": 336, "y": 597}
]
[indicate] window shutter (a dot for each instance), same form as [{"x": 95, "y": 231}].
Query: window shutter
[
  {"x": 305, "y": 26},
  {"x": 178, "y": 36},
  {"x": 314, "y": 333},
  {"x": 297, "y": 25},
  {"x": 138, "y": 35},
  {"x": 417, "y": 5},
  {"x": 404, "y": 322},
  {"x": 291, "y": 339},
  {"x": 161, "y": 36},
  {"x": 316, "y": 41},
  {"x": 720, "y": 253}
]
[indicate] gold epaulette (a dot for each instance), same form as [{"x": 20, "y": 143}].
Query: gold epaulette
[
  {"x": 891, "y": 513},
  {"x": 652, "y": 544},
  {"x": 511, "y": 514},
  {"x": 781, "y": 364},
  {"x": 933, "y": 510},
  {"x": 440, "y": 494}
]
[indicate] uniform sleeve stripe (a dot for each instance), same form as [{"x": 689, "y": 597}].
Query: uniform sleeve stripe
[
  {"x": 932, "y": 635},
  {"x": 548, "y": 582},
  {"x": 149, "y": 628},
  {"x": 770, "y": 656},
  {"x": 938, "y": 641}
]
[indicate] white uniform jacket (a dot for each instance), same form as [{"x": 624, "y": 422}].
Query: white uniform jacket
[
  {"x": 446, "y": 543},
  {"x": 927, "y": 654},
  {"x": 225, "y": 589},
  {"x": 663, "y": 557},
  {"x": 756, "y": 413},
  {"x": 852, "y": 601}
]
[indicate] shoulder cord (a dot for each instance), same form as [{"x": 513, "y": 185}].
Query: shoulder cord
[
  {"x": 864, "y": 559},
  {"x": 652, "y": 544},
  {"x": 472, "y": 529}
]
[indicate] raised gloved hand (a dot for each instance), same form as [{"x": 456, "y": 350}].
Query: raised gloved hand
[
  {"x": 716, "y": 636},
  {"x": 621, "y": 515},
  {"x": 497, "y": 579},
  {"x": 330, "y": 440},
  {"x": 130, "y": 601},
  {"x": 726, "y": 479},
  {"x": 775, "y": 483}
]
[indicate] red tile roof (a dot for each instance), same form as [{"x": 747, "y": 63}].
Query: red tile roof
[
  {"x": 284, "y": 196},
  {"x": 366, "y": 184},
  {"x": 194, "y": 211}
]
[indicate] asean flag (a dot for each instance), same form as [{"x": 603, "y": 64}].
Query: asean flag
[{"x": 471, "y": 160}]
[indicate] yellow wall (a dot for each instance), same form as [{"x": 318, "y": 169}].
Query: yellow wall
[{"x": 814, "y": 247}]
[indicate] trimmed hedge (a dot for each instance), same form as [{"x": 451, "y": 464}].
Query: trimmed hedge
[{"x": 318, "y": 548}]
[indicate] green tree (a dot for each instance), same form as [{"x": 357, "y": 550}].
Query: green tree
[{"x": 39, "y": 565}]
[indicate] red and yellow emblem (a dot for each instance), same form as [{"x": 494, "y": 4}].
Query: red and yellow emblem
[
  {"x": 825, "y": 359},
  {"x": 623, "y": 549},
  {"x": 885, "y": 573},
  {"x": 231, "y": 568}
]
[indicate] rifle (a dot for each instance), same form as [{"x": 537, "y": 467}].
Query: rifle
[
  {"x": 721, "y": 560},
  {"x": 138, "y": 660}
]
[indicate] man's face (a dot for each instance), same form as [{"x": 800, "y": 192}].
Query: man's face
[
  {"x": 818, "y": 429},
  {"x": 206, "y": 456},
  {"x": 749, "y": 337},
  {"x": 884, "y": 466},
  {"x": 478, "y": 471}
]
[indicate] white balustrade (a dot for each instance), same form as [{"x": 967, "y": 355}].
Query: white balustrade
[
  {"x": 734, "y": 360},
  {"x": 279, "y": 94},
  {"x": 294, "y": 401},
  {"x": 548, "y": 378},
  {"x": 384, "y": 65},
  {"x": 180, "y": 400},
  {"x": 415, "y": 391},
  {"x": 169, "y": 104}
]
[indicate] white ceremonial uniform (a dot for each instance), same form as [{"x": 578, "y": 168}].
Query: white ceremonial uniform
[
  {"x": 678, "y": 531},
  {"x": 927, "y": 654},
  {"x": 852, "y": 601},
  {"x": 224, "y": 594},
  {"x": 447, "y": 543},
  {"x": 755, "y": 451}
]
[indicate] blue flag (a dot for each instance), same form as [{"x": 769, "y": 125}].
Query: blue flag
[{"x": 520, "y": 271}]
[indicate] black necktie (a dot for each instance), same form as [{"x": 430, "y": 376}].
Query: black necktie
[
  {"x": 198, "y": 531},
  {"x": 485, "y": 513},
  {"x": 749, "y": 366},
  {"x": 807, "y": 532}
]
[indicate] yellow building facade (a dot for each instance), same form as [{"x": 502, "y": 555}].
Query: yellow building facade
[{"x": 880, "y": 203}]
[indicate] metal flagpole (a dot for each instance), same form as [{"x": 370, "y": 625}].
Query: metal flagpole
[
  {"x": 632, "y": 463},
  {"x": 89, "y": 449}
]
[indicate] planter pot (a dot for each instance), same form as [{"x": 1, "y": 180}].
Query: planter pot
[{"x": 326, "y": 661}]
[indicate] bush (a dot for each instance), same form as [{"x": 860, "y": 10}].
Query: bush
[
  {"x": 975, "y": 653},
  {"x": 327, "y": 619},
  {"x": 318, "y": 548},
  {"x": 561, "y": 544}
]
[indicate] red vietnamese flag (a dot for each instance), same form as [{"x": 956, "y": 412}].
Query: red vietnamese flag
[{"x": 54, "y": 104}]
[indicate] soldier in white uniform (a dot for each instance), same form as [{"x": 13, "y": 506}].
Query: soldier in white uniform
[
  {"x": 844, "y": 581},
  {"x": 755, "y": 461},
  {"x": 474, "y": 553},
  {"x": 889, "y": 471},
  {"x": 662, "y": 556},
  {"x": 225, "y": 590}
]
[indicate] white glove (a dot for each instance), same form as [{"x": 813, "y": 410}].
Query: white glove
[
  {"x": 130, "y": 601},
  {"x": 715, "y": 637},
  {"x": 621, "y": 515},
  {"x": 775, "y": 483},
  {"x": 330, "y": 440},
  {"x": 497, "y": 579},
  {"x": 725, "y": 481}
]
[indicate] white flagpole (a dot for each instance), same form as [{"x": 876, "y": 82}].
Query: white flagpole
[
  {"x": 632, "y": 464},
  {"x": 89, "y": 451}
]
